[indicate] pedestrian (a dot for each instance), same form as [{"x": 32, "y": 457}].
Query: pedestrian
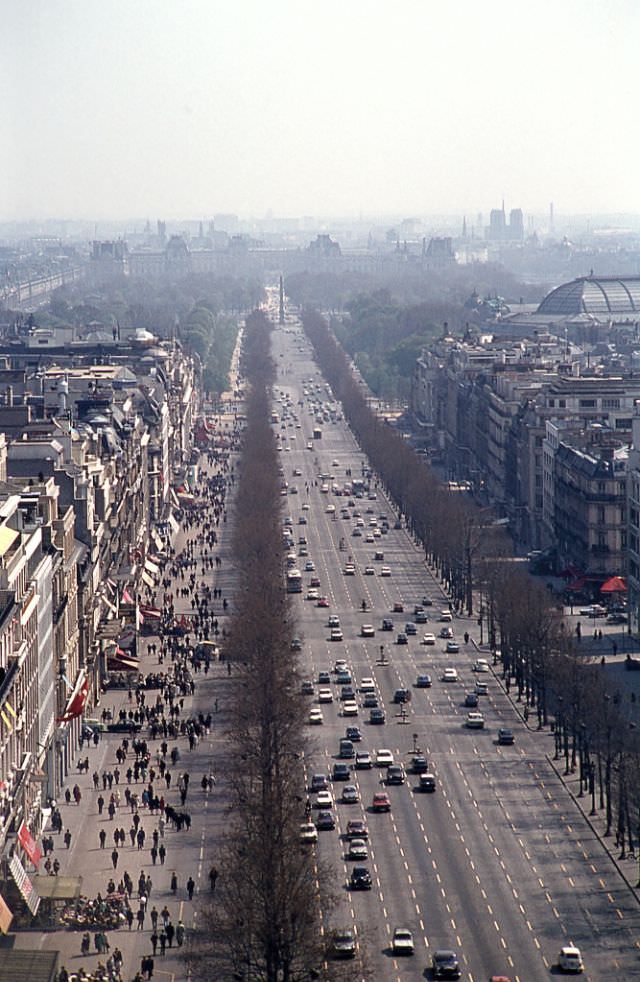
[
  {"x": 67, "y": 796},
  {"x": 213, "y": 877},
  {"x": 100, "y": 804},
  {"x": 102, "y": 836},
  {"x": 163, "y": 941},
  {"x": 140, "y": 918},
  {"x": 154, "y": 940},
  {"x": 162, "y": 852},
  {"x": 180, "y": 934},
  {"x": 114, "y": 858},
  {"x": 170, "y": 929},
  {"x": 154, "y": 854},
  {"x": 77, "y": 795},
  {"x": 56, "y": 867},
  {"x": 129, "y": 916},
  {"x": 191, "y": 885},
  {"x": 154, "y": 917},
  {"x": 166, "y": 916},
  {"x": 174, "y": 883},
  {"x": 67, "y": 838}
]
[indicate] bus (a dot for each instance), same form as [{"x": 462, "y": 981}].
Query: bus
[{"x": 294, "y": 581}]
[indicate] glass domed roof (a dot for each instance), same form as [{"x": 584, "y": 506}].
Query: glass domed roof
[{"x": 600, "y": 296}]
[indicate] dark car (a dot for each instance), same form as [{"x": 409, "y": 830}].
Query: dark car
[
  {"x": 370, "y": 700},
  {"x": 124, "y": 726},
  {"x": 423, "y": 682},
  {"x": 341, "y": 772},
  {"x": 347, "y": 692},
  {"x": 325, "y": 822},
  {"x": 387, "y": 625},
  {"x": 427, "y": 782},
  {"x": 360, "y": 878},
  {"x": 377, "y": 717},
  {"x": 319, "y": 782},
  {"x": 445, "y": 965},
  {"x": 402, "y": 638},
  {"x": 419, "y": 764},
  {"x": 395, "y": 774},
  {"x": 353, "y": 733},
  {"x": 505, "y": 737},
  {"x": 343, "y": 943},
  {"x": 471, "y": 700},
  {"x": 402, "y": 695}
]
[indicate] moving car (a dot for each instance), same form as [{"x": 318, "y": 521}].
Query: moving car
[
  {"x": 350, "y": 708},
  {"x": 315, "y": 716},
  {"x": 452, "y": 647},
  {"x": 427, "y": 783},
  {"x": 357, "y": 849},
  {"x": 367, "y": 631},
  {"x": 363, "y": 760},
  {"x": 429, "y": 638},
  {"x": 505, "y": 737},
  {"x": 475, "y": 721},
  {"x": 357, "y": 829},
  {"x": 387, "y": 625},
  {"x": 402, "y": 941},
  {"x": 370, "y": 700},
  {"x": 325, "y": 695},
  {"x": 381, "y": 802},
  {"x": 445, "y": 965},
  {"x": 341, "y": 772},
  {"x": 482, "y": 687},
  {"x": 307, "y": 688},
  {"x": 367, "y": 684},
  {"x": 386, "y": 571},
  {"x": 384, "y": 757},
  {"x": 324, "y": 800},
  {"x": 308, "y": 833},
  {"x": 343, "y": 943},
  {"x": 350, "y": 795},
  {"x": 446, "y": 632},
  {"x": 353, "y": 733},
  {"x": 325, "y": 822},
  {"x": 471, "y": 700},
  {"x": 402, "y": 638},
  {"x": 360, "y": 878},
  {"x": 423, "y": 681},
  {"x": 377, "y": 717},
  {"x": 395, "y": 774},
  {"x": 570, "y": 960},
  {"x": 324, "y": 678},
  {"x": 402, "y": 695},
  {"x": 319, "y": 782},
  {"x": 419, "y": 764},
  {"x": 481, "y": 665},
  {"x": 336, "y": 634},
  {"x": 450, "y": 675}
]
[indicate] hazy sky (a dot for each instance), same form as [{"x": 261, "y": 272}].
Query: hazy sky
[{"x": 182, "y": 108}]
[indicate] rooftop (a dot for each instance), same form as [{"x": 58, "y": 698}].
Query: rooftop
[{"x": 598, "y": 296}]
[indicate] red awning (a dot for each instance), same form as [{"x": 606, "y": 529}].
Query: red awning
[
  {"x": 76, "y": 704},
  {"x": 577, "y": 585},
  {"x": 29, "y": 845},
  {"x": 614, "y": 585},
  {"x": 122, "y": 664}
]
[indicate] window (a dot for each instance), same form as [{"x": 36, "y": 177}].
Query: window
[
  {"x": 552, "y": 403},
  {"x": 587, "y": 404},
  {"x": 562, "y": 403},
  {"x": 624, "y": 423},
  {"x": 601, "y": 516},
  {"x": 611, "y": 404}
]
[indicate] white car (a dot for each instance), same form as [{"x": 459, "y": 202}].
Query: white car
[
  {"x": 350, "y": 707},
  {"x": 384, "y": 758},
  {"x": 350, "y": 794},
  {"x": 367, "y": 631},
  {"x": 369, "y": 571},
  {"x": 570, "y": 959},
  {"x": 452, "y": 647},
  {"x": 330, "y": 509},
  {"x": 324, "y": 799},
  {"x": 310, "y": 566},
  {"x": 482, "y": 687},
  {"x": 312, "y": 594},
  {"x": 349, "y": 570},
  {"x": 336, "y": 634},
  {"x": 315, "y": 717},
  {"x": 340, "y": 665},
  {"x": 308, "y": 832},
  {"x": 450, "y": 675},
  {"x": 475, "y": 721},
  {"x": 325, "y": 695},
  {"x": 358, "y": 849},
  {"x": 402, "y": 941},
  {"x": 367, "y": 684},
  {"x": 385, "y": 571},
  {"x": 481, "y": 665},
  {"x": 429, "y": 639}
]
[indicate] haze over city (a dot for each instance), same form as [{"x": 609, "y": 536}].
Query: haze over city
[{"x": 119, "y": 110}]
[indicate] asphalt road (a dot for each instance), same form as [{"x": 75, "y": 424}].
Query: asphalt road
[{"x": 498, "y": 864}]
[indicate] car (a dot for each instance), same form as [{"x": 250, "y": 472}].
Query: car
[
  {"x": 384, "y": 757},
  {"x": 419, "y": 764},
  {"x": 350, "y": 795},
  {"x": 353, "y": 733},
  {"x": 333, "y": 620},
  {"x": 452, "y": 647},
  {"x": 370, "y": 700},
  {"x": 341, "y": 772},
  {"x": 427, "y": 782},
  {"x": 307, "y": 688},
  {"x": 308, "y": 833},
  {"x": 423, "y": 681},
  {"x": 427, "y": 602},
  {"x": 336, "y": 634},
  {"x": 482, "y": 687},
  {"x": 343, "y": 943},
  {"x": 570, "y": 959},
  {"x": 314, "y": 582},
  {"x": 330, "y": 509},
  {"x": 369, "y": 571},
  {"x": 343, "y": 677},
  {"x": 367, "y": 684},
  {"x": 319, "y": 782},
  {"x": 395, "y": 774},
  {"x": 296, "y": 644},
  {"x": 445, "y": 965},
  {"x": 323, "y": 602},
  {"x": 367, "y": 631},
  {"x": 471, "y": 700},
  {"x": 360, "y": 878},
  {"x": 325, "y": 695},
  {"x": 303, "y": 551},
  {"x": 124, "y": 726},
  {"x": 324, "y": 800},
  {"x": 446, "y": 633},
  {"x": 324, "y": 678},
  {"x": 475, "y": 721},
  {"x": 410, "y": 628},
  {"x": 357, "y": 829},
  {"x": 369, "y": 537},
  {"x": 357, "y": 849},
  {"x": 593, "y": 610},
  {"x": 346, "y": 693},
  {"x": 315, "y": 716},
  {"x": 387, "y": 625},
  {"x": 402, "y": 638},
  {"x": 398, "y": 607},
  {"x": 450, "y": 675},
  {"x": 445, "y": 617},
  {"x": 421, "y": 617},
  {"x": 302, "y": 520},
  {"x": 505, "y": 737},
  {"x": 350, "y": 708},
  {"x": 325, "y": 822},
  {"x": 428, "y": 638},
  {"x": 386, "y": 571},
  {"x": 346, "y": 751},
  {"x": 363, "y": 761},
  {"x": 349, "y": 569},
  {"x": 481, "y": 665},
  {"x": 312, "y": 594},
  {"x": 402, "y": 941},
  {"x": 402, "y": 695},
  {"x": 377, "y": 717},
  {"x": 381, "y": 802},
  {"x": 357, "y": 533}
]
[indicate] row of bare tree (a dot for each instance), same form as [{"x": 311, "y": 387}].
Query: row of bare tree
[
  {"x": 262, "y": 921},
  {"x": 591, "y": 718}
]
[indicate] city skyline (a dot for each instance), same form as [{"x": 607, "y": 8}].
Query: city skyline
[{"x": 116, "y": 111}]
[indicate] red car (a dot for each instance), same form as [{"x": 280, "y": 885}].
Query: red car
[
  {"x": 322, "y": 602},
  {"x": 381, "y": 802},
  {"x": 357, "y": 829},
  {"x": 314, "y": 581}
]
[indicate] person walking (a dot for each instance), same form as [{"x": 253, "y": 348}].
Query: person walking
[
  {"x": 213, "y": 878},
  {"x": 154, "y": 941},
  {"x": 100, "y": 804},
  {"x": 67, "y": 839},
  {"x": 174, "y": 883},
  {"x": 114, "y": 858},
  {"x": 163, "y": 941},
  {"x": 170, "y": 930},
  {"x": 191, "y": 885},
  {"x": 129, "y": 916},
  {"x": 180, "y": 934},
  {"x": 162, "y": 853},
  {"x": 102, "y": 836},
  {"x": 154, "y": 917}
]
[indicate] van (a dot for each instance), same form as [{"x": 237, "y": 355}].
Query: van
[{"x": 347, "y": 751}]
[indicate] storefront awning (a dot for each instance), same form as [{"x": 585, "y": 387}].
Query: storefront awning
[
  {"x": 147, "y": 579},
  {"x": 151, "y": 567},
  {"x": 58, "y": 887},
  {"x": 174, "y": 524},
  {"x": 122, "y": 663}
]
